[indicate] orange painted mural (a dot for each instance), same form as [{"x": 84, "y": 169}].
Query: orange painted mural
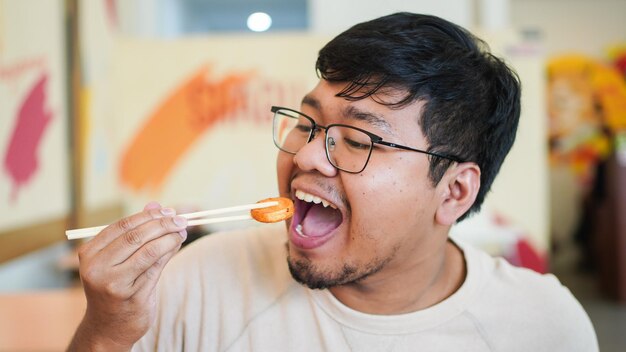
[{"x": 196, "y": 106}]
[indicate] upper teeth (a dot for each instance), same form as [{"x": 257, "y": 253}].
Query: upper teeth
[{"x": 315, "y": 199}]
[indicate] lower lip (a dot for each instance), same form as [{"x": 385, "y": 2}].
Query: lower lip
[{"x": 304, "y": 242}]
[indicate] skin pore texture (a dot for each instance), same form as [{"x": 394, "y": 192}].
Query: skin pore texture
[{"x": 391, "y": 253}]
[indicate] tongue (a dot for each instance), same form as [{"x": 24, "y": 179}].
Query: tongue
[{"x": 319, "y": 221}]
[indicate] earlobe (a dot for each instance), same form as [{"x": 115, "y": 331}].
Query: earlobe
[{"x": 460, "y": 187}]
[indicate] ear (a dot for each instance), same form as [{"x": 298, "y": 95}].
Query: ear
[{"x": 458, "y": 189}]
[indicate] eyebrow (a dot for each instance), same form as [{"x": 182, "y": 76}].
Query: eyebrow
[
  {"x": 312, "y": 102},
  {"x": 354, "y": 113}
]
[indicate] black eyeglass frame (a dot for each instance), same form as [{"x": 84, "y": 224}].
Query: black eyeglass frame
[{"x": 375, "y": 139}]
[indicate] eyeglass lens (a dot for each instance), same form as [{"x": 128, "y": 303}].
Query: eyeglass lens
[{"x": 347, "y": 148}]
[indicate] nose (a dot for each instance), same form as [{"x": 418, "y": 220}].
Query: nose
[{"x": 312, "y": 156}]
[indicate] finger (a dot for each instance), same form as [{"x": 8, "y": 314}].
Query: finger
[
  {"x": 152, "y": 205},
  {"x": 147, "y": 281},
  {"x": 118, "y": 281},
  {"x": 113, "y": 231},
  {"x": 124, "y": 246},
  {"x": 153, "y": 252}
]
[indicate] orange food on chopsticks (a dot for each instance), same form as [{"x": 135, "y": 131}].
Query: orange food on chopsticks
[{"x": 283, "y": 211}]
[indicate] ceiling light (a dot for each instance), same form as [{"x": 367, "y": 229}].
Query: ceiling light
[{"x": 259, "y": 22}]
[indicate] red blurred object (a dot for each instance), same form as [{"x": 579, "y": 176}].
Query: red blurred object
[
  {"x": 529, "y": 258},
  {"x": 620, "y": 63}
]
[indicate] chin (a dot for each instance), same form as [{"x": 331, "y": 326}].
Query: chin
[
  {"x": 310, "y": 275},
  {"x": 320, "y": 276}
]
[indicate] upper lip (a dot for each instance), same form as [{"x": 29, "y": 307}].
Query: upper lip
[{"x": 312, "y": 188}]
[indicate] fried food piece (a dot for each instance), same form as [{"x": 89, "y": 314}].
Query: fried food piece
[{"x": 283, "y": 211}]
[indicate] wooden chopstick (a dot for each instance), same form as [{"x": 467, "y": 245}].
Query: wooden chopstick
[{"x": 92, "y": 231}]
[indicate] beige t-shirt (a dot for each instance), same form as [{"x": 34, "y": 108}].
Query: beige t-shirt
[{"x": 233, "y": 292}]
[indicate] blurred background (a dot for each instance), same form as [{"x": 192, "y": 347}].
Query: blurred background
[{"x": 107, "y": 104}]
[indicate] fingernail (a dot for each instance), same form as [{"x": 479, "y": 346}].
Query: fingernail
[
  {"x": 168, "y": 211},
  {"x": 183, "y": 234},
  {"x": 180, "y": 221}
]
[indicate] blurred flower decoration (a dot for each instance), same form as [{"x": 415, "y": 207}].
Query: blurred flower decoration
[
  {"x": 617, "y": 54},
  {"x": 587, "y": 107}
]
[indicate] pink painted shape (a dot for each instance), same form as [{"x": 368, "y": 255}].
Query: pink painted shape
[
  {"x": 111, "y": 10},
  {"x": 21, "y": 161}
]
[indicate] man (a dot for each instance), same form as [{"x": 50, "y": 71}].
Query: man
[{"x": 401, "y": 138}]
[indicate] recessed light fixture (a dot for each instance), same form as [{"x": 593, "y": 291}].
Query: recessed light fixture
[{"x": 259, "y": 22}]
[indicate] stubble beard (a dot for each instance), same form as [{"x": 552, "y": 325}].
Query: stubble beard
[{"x": 313, "y": 276}]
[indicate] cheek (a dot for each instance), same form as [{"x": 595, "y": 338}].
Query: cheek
[{"x": 391, "y": 198}]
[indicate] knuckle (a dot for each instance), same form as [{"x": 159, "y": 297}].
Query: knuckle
[
  {"x": 137, "y": 300},
  {"x": 133, "y": 237},
  {"x": 151, "y": 253},
  {"x": 152, "y": 273},
  {"x": 113, "y": 290},
  {"x": 125, "y": 224},
  {"x": 87, "y": 276},
  {"x": 164, "y": 223},
  {"x": 157, "y": 263}
]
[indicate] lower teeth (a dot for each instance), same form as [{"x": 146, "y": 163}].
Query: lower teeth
[{"x": 299, "y": 230}]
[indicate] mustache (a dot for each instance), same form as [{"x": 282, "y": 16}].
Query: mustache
[{"x": 329, "y": 189}]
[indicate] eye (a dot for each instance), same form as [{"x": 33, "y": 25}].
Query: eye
[
  {"x": 303, "y": 128},
  {"x": 356, "y": 145}
]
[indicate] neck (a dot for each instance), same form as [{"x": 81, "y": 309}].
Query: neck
[{"x": 409, "y": 289}]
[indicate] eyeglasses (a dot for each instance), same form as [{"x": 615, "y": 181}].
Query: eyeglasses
[{"x": 348, "y": 148}]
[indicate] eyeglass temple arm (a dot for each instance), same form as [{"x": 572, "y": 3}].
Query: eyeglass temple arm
[{"x": 399, "y": 146}]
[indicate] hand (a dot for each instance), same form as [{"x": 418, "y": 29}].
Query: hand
[{"x": 119, "y": 269}]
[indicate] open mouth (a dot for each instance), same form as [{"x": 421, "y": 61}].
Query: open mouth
[{"x": 314, "y": 217}]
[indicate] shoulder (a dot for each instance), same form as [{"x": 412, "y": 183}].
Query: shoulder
[{"x": 518, "y": 304}]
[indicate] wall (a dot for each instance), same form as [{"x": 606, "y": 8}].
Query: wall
[
  {"x": 572, "y": 26},
  {"x": 520, "y": 192},
  {"x": 334, "y": 16},
  {"x": 34, "y": 169},
  {"x": 34, "y": 126}
]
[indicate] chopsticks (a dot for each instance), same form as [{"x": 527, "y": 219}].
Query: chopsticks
[{"x": 92, "y": 231}]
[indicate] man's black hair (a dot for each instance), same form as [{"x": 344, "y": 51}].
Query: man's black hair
[{"x": 472, "y": 98}]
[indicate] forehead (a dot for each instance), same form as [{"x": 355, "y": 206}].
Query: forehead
[{"x": 324, "y": 104}]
